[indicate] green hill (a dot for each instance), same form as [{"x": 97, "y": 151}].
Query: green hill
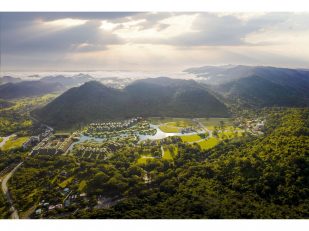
[
  {"x": 28, "y": 89},
  {"x": 152, "y": 97},
  {"x": 261, "y": 92}
]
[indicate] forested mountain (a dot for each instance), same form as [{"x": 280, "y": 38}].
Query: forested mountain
[
  {"x": 28, "y": 89},
  {"x": 257, "y": 86},
  {"x": 222, "y": 74},
  {"x": 259, "y": 92},
  {"x": 152, "y": 97}
]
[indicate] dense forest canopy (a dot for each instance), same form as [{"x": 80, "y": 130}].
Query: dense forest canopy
[{"x": 265, "y": 177}]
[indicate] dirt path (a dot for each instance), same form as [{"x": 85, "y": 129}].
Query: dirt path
[{"x": 5, "y": 190}]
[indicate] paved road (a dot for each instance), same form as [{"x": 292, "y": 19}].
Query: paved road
[
  {"x": 6, "y": 139},
  {"x": 6, "y": 192}
]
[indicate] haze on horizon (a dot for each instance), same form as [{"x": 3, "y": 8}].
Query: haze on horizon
[{"x": 151, "y": 41}]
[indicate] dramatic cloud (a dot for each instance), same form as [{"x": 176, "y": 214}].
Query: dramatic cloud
[{"x": 147, "y": 40}]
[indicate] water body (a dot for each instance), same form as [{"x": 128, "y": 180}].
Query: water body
[
  {"x": 84, "y": 138},
  {"x": 159, "y": 135}
]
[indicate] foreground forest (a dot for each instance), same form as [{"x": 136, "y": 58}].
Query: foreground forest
[{"x": 264, "y": 176}]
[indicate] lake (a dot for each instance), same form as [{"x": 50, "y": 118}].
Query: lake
[{"x": 159, "y": 135}]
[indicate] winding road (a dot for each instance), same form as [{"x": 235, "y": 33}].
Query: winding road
[{"x": 6, "y": 192}]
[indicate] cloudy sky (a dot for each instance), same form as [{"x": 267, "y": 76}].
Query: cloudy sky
[{"x": 151, "y": 41}]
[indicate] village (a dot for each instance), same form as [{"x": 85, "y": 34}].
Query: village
[
  {"x": 117, "y": 134},
  {"x": 132, "y": 126},
  {"x": 102, "y": 150}
]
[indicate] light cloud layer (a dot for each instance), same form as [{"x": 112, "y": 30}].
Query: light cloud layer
[{"x": 147, "y": 41}]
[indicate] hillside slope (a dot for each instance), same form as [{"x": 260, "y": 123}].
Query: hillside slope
[
  {"x": 154, "y": 97},
  {"x": 255, "y": 91},
  {"x": 28, "y": 89},
  {"x": 257, "y": 86}
]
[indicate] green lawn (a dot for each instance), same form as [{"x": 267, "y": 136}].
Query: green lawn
[
  {"x": 169, "y": 129},
  {"x": 207, "y": 144},
  {"x": 158, "y": 120},
  {"x": 66, "y": 182},
  {"x": 210, "y": 123},
  {"x": 143, "y": 159},
  {"x": 14, "y": 142},
  {"x": 167, "y": 153},
  {"x": 1, "y": 139},
  {"x": 191, "y": 138},
  {"x": 81, "y": 185},
  {"x": 181, "y": 123},
  {"x": 230, "y": 133},
  {"x": 226, "y": 135}
]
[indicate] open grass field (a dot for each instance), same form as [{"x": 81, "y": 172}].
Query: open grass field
[
  {"x": 66, "y": 182},
  {"x": 229, "y": 134},
  {"x": 1, "y": 139},
  {"x": 168, "y": 155},
  {"x": 177, "y": 125},
  {"x": 169, "y": 129},
  {"x": 183, "y": 123},
  {"x": 178, "y": 122},
  {"x": 143, "y": 159},
  {"x": 191, "y": 138},
  {"x": 210, "y": 123},
  {"x": 207, "y": 144},
  {"x": 81, "y": 185},
  {"x": 14, "y": 142},
  {"x": 163, "y": 120},
  {"x": 172, "y": 125}
]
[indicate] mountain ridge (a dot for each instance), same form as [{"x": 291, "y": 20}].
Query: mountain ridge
[{"x": 95, "y": 102}]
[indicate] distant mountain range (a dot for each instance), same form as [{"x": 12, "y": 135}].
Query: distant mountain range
[
  {"x": 257, "y": 86},
  {"x": 12, "y": 88},
  {"x": 9, "y": 79},
  {"x": 150, "y": 97},
  {"x": 217, "y": 88},
  {"x": 28, "y": 89},
  {"x": 215, "y": 75},
  {"x": 68, "y": 82}
]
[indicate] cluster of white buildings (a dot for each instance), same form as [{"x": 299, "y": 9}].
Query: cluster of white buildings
[{"x": 112, "y": 126}]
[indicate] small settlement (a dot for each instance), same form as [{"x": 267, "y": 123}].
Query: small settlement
[{"x": 54, "y": 144}]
